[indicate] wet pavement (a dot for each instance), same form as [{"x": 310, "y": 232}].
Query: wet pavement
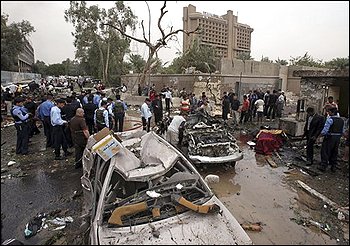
[{"x": 252, "y": 190}]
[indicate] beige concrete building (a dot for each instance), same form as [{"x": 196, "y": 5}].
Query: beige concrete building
[{"x": 224, "y": 33}]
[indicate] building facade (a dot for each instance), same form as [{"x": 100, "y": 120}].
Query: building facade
[
  {"x": 26, "y": 58},
  {"x": 228, "y": 37}
]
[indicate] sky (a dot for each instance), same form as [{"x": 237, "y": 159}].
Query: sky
[{"x": 281, "y": 29}]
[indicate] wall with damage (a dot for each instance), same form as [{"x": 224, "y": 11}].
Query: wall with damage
[{"x": 314, "y": 91}]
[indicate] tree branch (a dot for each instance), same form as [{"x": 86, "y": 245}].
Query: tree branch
[
  {"x": 143, "y": 31},
  {"x": 128, "y": 36},
  {"x": 162, "y": 13}
]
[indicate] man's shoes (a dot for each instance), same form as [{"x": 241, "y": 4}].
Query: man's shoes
[
  {"x": 321, "y": 168},
  {"x": 67, "y": 153},
  {"x": 309, "y": 163},
  {"x": 333, "y": 169},
  {"x": 77, "y": 166},
  {"x": 59, "y": 158}
]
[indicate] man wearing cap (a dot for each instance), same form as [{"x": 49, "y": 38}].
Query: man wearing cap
[
  {"x": 58, "y": 130},
  {"x": 21, "y": 116}
]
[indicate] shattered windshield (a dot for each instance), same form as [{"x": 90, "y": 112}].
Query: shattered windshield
[{"x": 132, "y": 203}]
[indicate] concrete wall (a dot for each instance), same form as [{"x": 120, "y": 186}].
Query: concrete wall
[{"x": 14, "y": 77}]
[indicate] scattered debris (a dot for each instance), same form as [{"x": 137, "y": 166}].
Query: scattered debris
[
  {"x": 211, "y": 178},
  {"x": 40, "y": 222},
  {"x": 10, "y": 163},
  {"x": 271, "y": 162},
  {"x": 252, "y": 227},
  {"x": 324, "y": 199}
]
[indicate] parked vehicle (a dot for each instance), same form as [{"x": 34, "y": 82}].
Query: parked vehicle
[
  {"x": 210, "y": 140},
  {"x": 155, "y": 198}
]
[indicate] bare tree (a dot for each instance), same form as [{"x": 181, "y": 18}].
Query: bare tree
[{"x": 161, "y": 42}]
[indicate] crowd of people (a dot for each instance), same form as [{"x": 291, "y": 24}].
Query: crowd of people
[{"x": 67, "y": 121}]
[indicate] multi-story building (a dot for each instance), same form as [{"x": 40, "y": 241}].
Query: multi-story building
[
  {"x": 228, "y": 37},
  {"x": 26, "y": 58}
]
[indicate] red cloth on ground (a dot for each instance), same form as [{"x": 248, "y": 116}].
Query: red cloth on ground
[{"x": 267, "y": 143}]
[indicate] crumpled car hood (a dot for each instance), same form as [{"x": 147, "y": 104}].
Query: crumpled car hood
[{"x": 187, "y": 228}]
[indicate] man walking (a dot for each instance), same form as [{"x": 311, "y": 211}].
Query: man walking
[
  {"x": 332, "y": 132},
  {"x": 80, "y": 135},
  {"x": 313, "y": 127}
]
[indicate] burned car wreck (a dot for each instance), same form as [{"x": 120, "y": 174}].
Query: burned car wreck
[
  {"x": 210, "y": 140},
  {"x": 158, "y": 198}
]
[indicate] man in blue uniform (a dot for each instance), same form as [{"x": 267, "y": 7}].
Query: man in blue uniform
[
  {"x": 332, "y": 132},
  {"x": 21, "y": 116}
]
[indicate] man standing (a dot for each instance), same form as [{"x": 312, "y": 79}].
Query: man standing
[
  {"x": 8, "y": 97},
  {"x": 168, "y": 99},
  {"x": 101, "y": 119},
  {"x": 235, "y": 103},
  {"x": 21, "y": 116},
  {"x": 89, "y": 111},
  {"x": 259, "y": 105},
  {"x": 146, "y": 115},
  {"x": 44, "y": 115},
  {"x": 119, "y": 113},
  {"x": 175, "y": 127},
  {"x": 80, "y": 135},
  {"x": 58, "y": 126},
  {"x": 313, "y": 127},
  {"x": 157, "y": 106},
  {"x": 332, "y": 132},
  {"x": 225, "y": 106}
]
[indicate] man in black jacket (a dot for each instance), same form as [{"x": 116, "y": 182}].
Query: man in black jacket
[{"x": 313, "y": 127}]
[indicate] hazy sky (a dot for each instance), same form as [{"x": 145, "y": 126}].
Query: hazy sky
[{"x": 281, "y": 29}]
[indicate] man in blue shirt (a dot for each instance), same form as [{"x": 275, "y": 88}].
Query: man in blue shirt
[
  {"x": 332, "y": 132},
  {"x": 21, "y": 117},
  {"x": 44, "y": 115},
  {"x": 58, "y": 126}
]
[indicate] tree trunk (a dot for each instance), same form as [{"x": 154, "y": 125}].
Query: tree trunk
[
  {"x": 107, "y": 62},
  {"x": 102, "y": 60}
]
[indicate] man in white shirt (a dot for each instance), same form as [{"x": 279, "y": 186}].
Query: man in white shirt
[
  {"x": 259, "y": 104},
  {"x": 168, "y": 99},
  {"x": 146, "y": 115},
  {"x": 175, "y": 127}
]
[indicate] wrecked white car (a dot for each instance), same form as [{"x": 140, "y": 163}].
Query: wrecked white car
[
  {"x": 159, "y": 198},
  {"x": 209, "y": 140}
]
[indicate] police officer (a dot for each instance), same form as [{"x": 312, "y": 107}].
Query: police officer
[
  {"x": 21, "y": 117},
  {"x": 332, "y": 132},
  {"x": 101, "y": 119},
  {"x": 58, "y": 126}
]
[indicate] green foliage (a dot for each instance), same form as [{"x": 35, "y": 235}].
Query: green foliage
[
  {"x": 137, "y": 63},
  {"x": 282, "y": 62},
  {"x": 305, "y": 60},
  {"x": 202, "y": 57},
  {"x": 13, "y": 39},
  {"x": 40, "y": 67},
  {"x": 244, "y": 56},
  {"x": 337, "y": 63},
  {"x": 100, "y": 49},
  {"x": 55, "y": 69},
  {"x": 266, "y": 59}
]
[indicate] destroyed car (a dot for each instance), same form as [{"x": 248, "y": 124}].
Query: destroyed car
[
  {"x": 158, "y": 198},
  {"x": 210, "y": 140}
]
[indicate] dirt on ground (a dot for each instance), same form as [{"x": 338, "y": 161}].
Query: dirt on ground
[{"x": 253, "y": 191}]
